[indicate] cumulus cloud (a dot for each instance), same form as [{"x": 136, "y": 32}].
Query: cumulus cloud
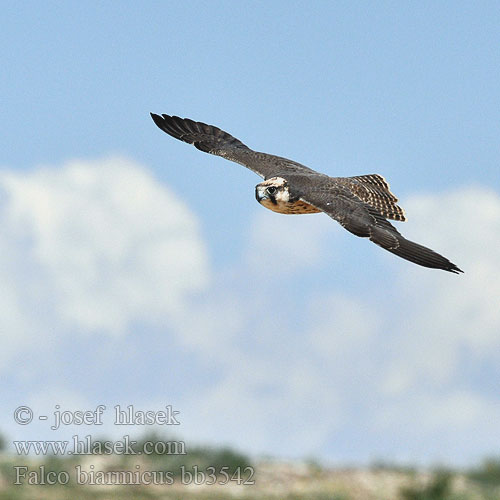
[
  {"x": 93, "y": 246},
  {"x": 280, "y": 361},
  {"x": 437, "y": 380},
  {"x": 453, "y": 319},
  {"x": 267, "y": 404},
  {"x": 285, "y": 245},
  {"x": 366, "y": 365}
]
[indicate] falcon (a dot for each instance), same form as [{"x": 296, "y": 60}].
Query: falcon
[{"x": 361, "y": 204}]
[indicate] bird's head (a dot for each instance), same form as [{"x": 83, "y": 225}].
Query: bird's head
[{"x": 272, "y": 192}]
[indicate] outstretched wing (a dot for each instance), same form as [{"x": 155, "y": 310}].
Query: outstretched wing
[
  {"x": 362, "y": 219},
  {"x": 215, "y": 141}
]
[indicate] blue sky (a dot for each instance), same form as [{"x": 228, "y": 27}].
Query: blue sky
[{"x": 139, "y": 271}]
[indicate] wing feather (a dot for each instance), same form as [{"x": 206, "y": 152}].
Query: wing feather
[
  {"x": 374, "y": 190},
  {"x": 364, "y": 220},
  {"x": 213, "y": 140}
]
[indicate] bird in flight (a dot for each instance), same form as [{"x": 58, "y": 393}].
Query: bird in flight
[{"x": 361, "y": 204}]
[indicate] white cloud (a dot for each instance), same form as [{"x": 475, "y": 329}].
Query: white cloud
[
  {"x": 93, "y": 246},
  {"x": 448, "y": 315},
  {"x": 267, "y": 406},
  {"x": 449, "y": 412},
  {"x": 283, "y": 245},
  {"x": 358, "y": 320},
  {"x": 293, "y": 366},
  {"x": 395, "y": 349}
]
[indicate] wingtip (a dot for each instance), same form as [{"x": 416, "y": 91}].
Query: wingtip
[
  {"x": 157, "y": 119},
  {"x": 454, "y": 269}
]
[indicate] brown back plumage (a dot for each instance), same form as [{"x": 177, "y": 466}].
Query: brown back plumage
[{"x": 374, "y": 190}]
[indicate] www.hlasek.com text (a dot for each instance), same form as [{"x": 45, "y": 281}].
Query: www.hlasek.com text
[{"x": 88, "y": 446}]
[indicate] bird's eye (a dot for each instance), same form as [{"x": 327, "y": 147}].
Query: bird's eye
[{"x": 271, "y": 190}]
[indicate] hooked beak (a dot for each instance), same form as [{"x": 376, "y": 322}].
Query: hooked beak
[{"x": 260, "y": 193}]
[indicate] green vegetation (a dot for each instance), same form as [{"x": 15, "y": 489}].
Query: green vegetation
[
  {"x": 487, "y": 474},
  {"x": 309, "y": 480},
  {"x": 439, "y": 488},
  {"x": 204, "y": 458},
  {"x": 383, "y": 465}
]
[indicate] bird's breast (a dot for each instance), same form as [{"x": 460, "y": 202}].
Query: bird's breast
[{"x": 290, "y": 207}]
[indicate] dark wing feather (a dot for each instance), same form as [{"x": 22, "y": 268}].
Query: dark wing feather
[
  {"x": 363, "y": 220},
  {"x": 213, "y": 140},
  {"x": 374, "y": 190}
]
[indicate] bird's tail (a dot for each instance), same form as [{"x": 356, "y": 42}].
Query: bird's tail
[{"x": 374, "y": 190}]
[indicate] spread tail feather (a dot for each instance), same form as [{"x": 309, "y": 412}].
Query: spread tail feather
[{"x": 374, "y": 190}]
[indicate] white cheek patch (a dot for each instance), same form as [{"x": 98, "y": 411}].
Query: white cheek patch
[{"x": 283, "y": 196}]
